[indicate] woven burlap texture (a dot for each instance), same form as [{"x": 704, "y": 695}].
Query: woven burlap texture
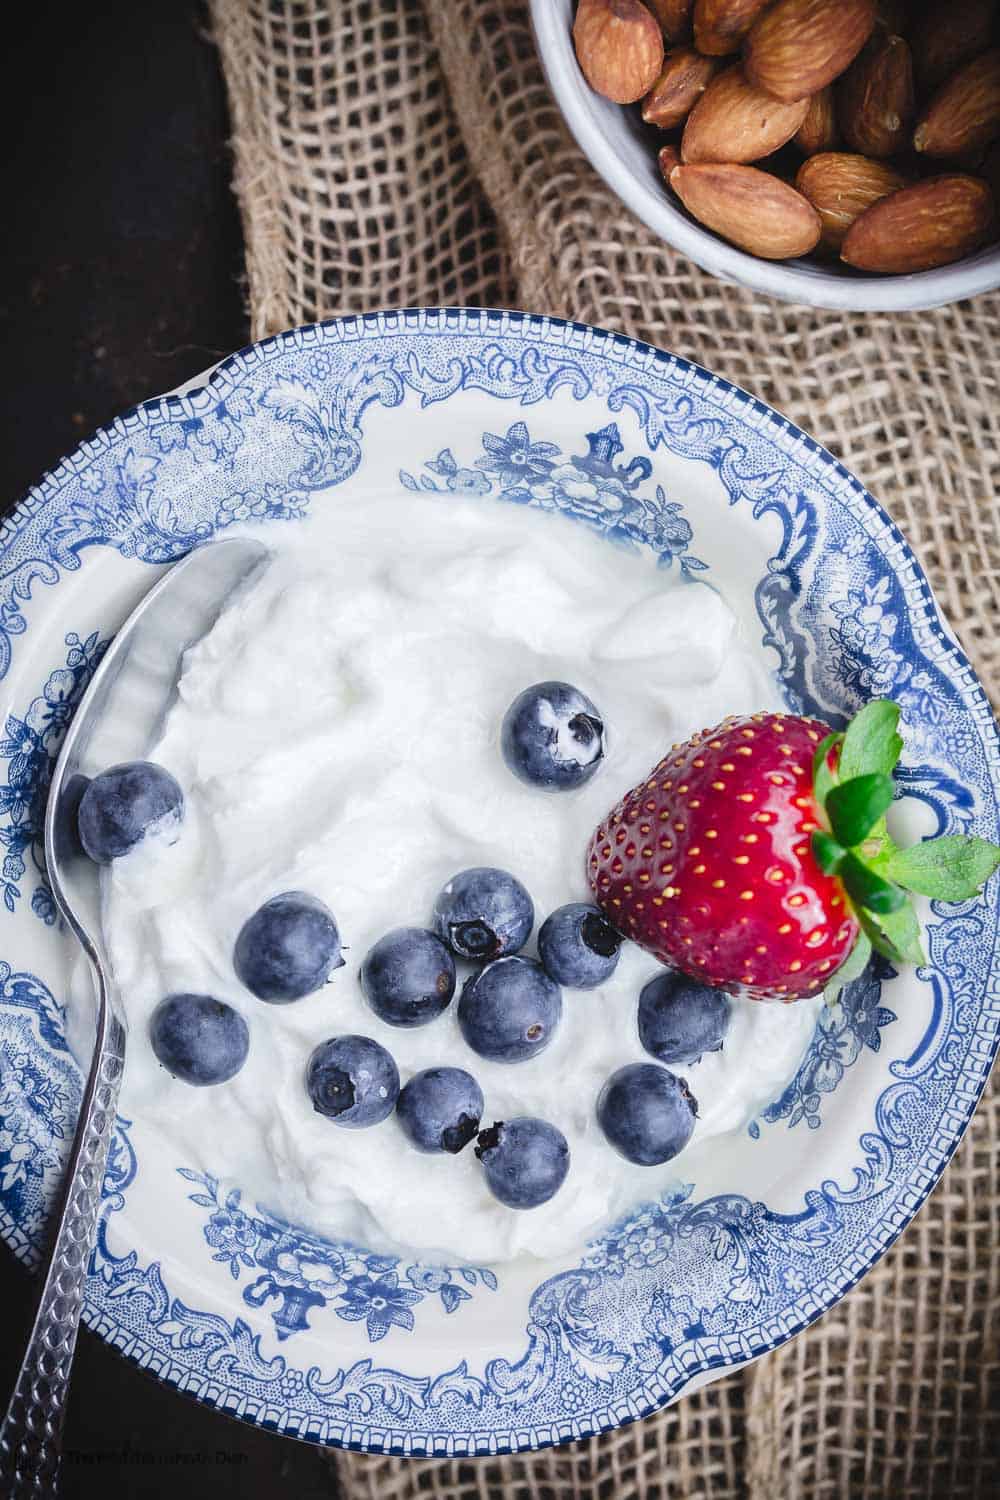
[{"x": 402, "y": 152}]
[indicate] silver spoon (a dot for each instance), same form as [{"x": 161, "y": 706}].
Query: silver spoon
[{"x": 116, "y": 720}]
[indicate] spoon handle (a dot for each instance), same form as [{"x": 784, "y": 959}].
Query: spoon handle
[{"x": 31, "y": 1434}]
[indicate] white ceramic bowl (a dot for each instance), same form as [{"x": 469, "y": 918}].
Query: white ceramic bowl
[{"x": 623, "y": 154}]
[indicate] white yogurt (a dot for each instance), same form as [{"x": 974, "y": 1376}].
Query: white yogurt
[{"x": 337, "y": 732}]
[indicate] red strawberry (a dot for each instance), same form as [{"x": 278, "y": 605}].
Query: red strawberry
[{"x": 755, "y": 854}]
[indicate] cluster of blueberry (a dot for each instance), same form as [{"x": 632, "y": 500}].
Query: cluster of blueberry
[
  {"x": 508, "y": 1011},
  {"x": 509, "y": 1008}
]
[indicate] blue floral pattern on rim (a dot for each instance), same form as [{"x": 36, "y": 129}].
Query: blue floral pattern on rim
[
  {"x": 30, "y": 746},
  {"x": 847, "y": 1025},
  {"x": 590, "y": 487},
  {"x": 683, "y": 1287},
  {"x": 302, "y": 1271}
]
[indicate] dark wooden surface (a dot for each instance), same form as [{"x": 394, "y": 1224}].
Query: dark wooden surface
[{"x": 120, "y": 258}]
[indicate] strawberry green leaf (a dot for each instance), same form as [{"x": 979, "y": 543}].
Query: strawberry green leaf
[
  {"x": 878, "y": 848},
  {"x": 827, "y": 852},
  {"x": 880, "y": 943},
  {"x": 951, "y": 868},
  {"x": 824, "y": 780},
  {"x": 854, "y": 964},
  {"x": 855, "y": 806},
  {"x": 871, "y": 745},
  {"x": 868, "y": 890},
  {"x": 895, "y": 934}
]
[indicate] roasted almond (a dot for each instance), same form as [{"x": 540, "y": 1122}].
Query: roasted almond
[
  {"x": 619, "y": 46},
  {"x": 721, "y": 25},
  {"x": 757, "y": 212},
  {"x": 840, "y": 186},
  {"x": 964, "y": 115},
  {"x": 799, "y": 46},
  {"x": 818, "y": 131},
  {"x": 875, "y": 101},
  {"x": 675, "y": 18},
  {"x": 685, "y": 77},
  {"x": 668, "y": 158},
  {"x": 733, "y": 121},
  {"x": 944, "y": 38},
  {"x": 930, "y": 224}
]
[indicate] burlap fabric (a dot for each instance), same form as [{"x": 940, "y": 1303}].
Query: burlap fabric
[{"x": 401, "y": 152}]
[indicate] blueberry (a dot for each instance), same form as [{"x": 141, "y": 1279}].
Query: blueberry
[
  {"x": 525, "y": 1161},
  {"x": 353, "y": 1081},
  {"x": 483, "y": 913},
  {"x": 578, "y": 946},
  {"x": 198, "y": 1038},
  {"x": 408, "y": 977},
  {"x": 646, "y": 1113},
  {"x": 440, "y": 1109},
  {"x": 552, "y": 736},
  {"x": 124, "y": 804},
  {"x": 288, "y": 948},
  {"x": 509, "y": 1010},
  {"x": 679, "y": 1018},
  {"x": 66, "y": 824}
]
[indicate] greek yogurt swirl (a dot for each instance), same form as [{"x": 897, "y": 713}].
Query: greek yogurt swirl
[{"x": 336, "y": 732}]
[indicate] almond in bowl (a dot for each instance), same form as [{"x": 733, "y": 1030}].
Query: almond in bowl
[{"x": 840, "y": 130}]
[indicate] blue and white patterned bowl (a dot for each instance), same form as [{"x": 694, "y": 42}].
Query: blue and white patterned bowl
[{"x": 326, "y": 1341}]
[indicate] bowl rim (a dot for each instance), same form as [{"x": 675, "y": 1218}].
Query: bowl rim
[
  {"x": 794, "y": 281},
  {"x": 482, "y": 323}
]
